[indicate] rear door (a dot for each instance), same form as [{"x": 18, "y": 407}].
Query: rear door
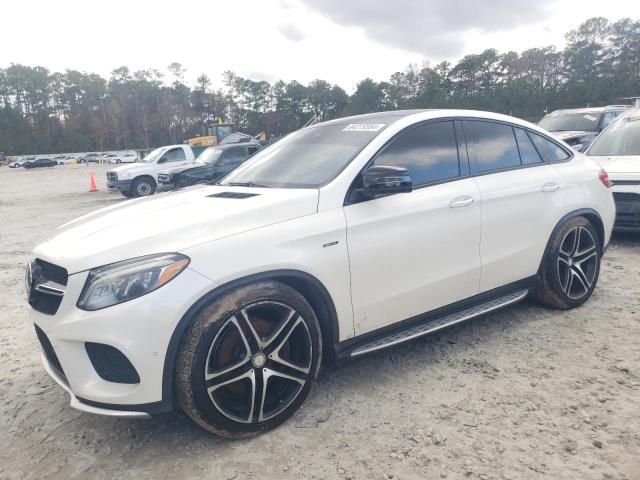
[
  {"x": 413, "y": 252},
  {"x": 520, "y": 197}
]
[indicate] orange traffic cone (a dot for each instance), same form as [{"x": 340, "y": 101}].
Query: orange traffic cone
[{"x": 92, "y": 186}]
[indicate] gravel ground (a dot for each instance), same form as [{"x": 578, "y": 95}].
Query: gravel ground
[{"x": 525, "y": 393}]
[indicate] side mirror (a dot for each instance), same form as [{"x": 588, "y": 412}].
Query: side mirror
[
  {"x": 163, "y": 160},
  {"x": 385, "y": 180}
]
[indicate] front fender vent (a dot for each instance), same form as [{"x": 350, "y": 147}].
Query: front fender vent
[{"x": 234, "y": 195}]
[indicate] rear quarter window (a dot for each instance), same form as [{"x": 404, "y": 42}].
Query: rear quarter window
[
  {"x": 528, "y": 152},
  {"x": 548, "y": 150}
]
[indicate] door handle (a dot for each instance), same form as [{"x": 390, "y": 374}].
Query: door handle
[
  {"x": 458, "y": 202},
  {"x": 550, "y": 187}
]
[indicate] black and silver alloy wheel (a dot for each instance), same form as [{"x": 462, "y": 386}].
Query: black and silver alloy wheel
[
  {"x": 258, "y": 362},
  {"x": 577, "y": 262},
  {"x": 571, "y": 265},
  {"x": 249, "y": 359}
]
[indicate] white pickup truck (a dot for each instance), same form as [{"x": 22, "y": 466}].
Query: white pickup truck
[{"x": 140, "y": 179}]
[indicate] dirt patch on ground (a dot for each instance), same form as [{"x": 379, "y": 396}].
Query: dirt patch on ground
[{"x": 525, "y": 393}]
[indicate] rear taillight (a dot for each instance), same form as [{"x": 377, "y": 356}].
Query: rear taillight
[{"x": 604, "y": 178}]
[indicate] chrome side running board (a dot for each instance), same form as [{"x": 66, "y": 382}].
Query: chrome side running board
[{"x": 440, "y": 323}]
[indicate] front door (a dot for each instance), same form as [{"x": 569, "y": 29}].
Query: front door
[{"x": 413, "y": 252}]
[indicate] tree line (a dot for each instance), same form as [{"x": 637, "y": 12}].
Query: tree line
[{"x": 49, "y": 112}]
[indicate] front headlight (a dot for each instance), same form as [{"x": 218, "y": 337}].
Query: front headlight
[{"x": 124, "y": 281}]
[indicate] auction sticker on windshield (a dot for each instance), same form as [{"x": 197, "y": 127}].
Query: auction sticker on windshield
[{"x": 363, "y": 127}]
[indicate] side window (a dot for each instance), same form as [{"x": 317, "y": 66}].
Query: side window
[
  {"x": 549, "y": 151},
  {"x": 252, "y": 150},
  {"x": 175, "y": 155},
  {"x": 493, "y": 145},
  {"x": 528, "y": 153},
  {"x": 429, "y": 152},
  {"x": 607, "y": 118},
  {"x": 233, "y": 156}
]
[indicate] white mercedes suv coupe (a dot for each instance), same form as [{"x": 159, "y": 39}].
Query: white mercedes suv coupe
[{"x": 343, "y": 238}]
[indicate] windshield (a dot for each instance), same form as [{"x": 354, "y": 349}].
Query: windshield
[
  {"x": 308, "y": 158},
  {"x": 153, "y": 156},
  {"x": 622, "y": 138},
  {"x": 570, "y": 121},
  {"x": 210, "y": 155}
]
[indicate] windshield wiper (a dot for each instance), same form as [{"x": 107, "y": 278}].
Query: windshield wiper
[{"x": 246, "y": 184}]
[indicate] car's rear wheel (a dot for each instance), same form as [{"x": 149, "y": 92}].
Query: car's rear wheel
[
  {"x": 571, "y": 266},
  {"x": 249, "y": 360},
  {"x": 143, "y": 187}
]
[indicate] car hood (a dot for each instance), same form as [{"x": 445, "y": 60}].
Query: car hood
[
  {"x": 131, "y": 167},
  {"x": 626, "y": 164},
  {"x": 568, "y": 135},
  {"x": 169, "y": 222}
]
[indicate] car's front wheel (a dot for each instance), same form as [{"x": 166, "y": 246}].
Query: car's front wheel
[
  {"x": 249, "y": 360},
  {"x": 570, "y": 269},
  {"x": 143, "y": 187}
]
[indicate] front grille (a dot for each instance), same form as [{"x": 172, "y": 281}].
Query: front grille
[
  {"x": 626, "y": 197},
  {"x": 53, "y": 272},
  {"x": 112, "y": 177},
  {"x": 111, "y": 364},
  {"x": 236, "y": 195},
  {"x": 45, "y": 286},
  {"x": 627, "y": 210},
  {"x": 48, "y": 350}
]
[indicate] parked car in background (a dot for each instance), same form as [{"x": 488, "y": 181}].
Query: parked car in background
[
  {"x": 344, "y": 238},
  {"x": 580, "y": 126},
  {"x": 91, "y": 158},
  {"x": 116, "y": 159},
  {"x": 40, "y": 162},
  {"x": 140, "y": 179},
  {"x": 617, "y": 149},
  {"x": 128, "y": 158},
  {"x": 210, "y": 165},
  {"x": 69, "y": 159},
  {"x": 21, "y": 162}
]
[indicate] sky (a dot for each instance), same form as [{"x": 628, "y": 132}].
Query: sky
[{"x": 341, "y": 41}]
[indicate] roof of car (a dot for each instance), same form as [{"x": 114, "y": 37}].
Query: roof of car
[
  {"x": 590, "y": 109},
  {"x": 377, "y": 117},
  {"x": 237, "y": 144}
]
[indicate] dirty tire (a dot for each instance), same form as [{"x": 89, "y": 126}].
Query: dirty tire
[
  {"x": 238, "y": 342},
  {"x": 142, "y": 187},
  {"x": 571, "y": 265}
]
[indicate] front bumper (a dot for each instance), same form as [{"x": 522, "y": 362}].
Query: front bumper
[
  {"x": 627, "y": 200},
  {"x": 119, "y": 186},
  {"x": 141, "y": 329},
  {"x": 78, "y": 405}
]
